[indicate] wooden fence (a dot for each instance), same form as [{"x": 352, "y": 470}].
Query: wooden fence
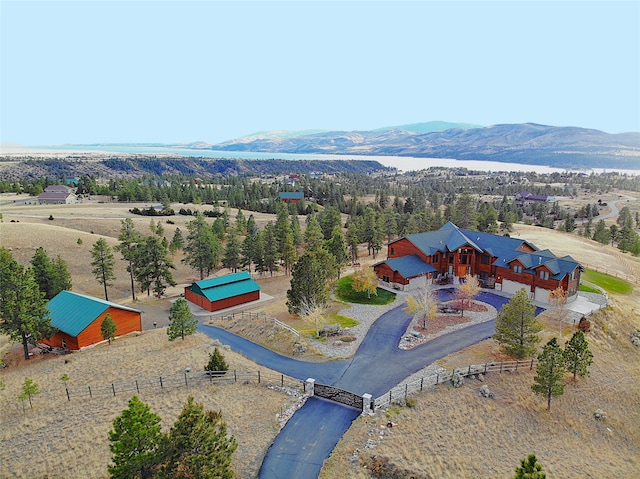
[
  {"x": 184, "y": 380},
  {"x": 399, "y": 393},
  {"x": 258, "y": 315}
]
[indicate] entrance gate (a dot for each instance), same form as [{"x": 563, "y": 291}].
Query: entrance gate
[{"x": 338, "y": 395}]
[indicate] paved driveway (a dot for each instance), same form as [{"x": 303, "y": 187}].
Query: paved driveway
[{"x": 311, "y": 434}]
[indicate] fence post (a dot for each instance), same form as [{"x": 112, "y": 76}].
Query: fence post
[
  {"x": 68, "y": 398},
  {"x": 137, "y": 388},
  {"x": 421, "y": 382},
  {"x": 406, "y": 390},
  {"x": 186, "y": 381},
  {"x": 517, "y": 365},
  {"x": 282, "y": 380},
  {"x": 500, "y": 367},
  {"x": 258, "y": 376},
  {"x": 161, "y": 386},
  {"x": 531, "y": 368},
  {"x": 485, "y": 368},
  {"x": 114, "y": 388},
  {"x": 437, "y": 378},
  {"x": 469, "y": 371},
  {"x": 389, "y": 397},
  {"x": 235, "y": 376},
  {"x": 90, "y": 395}
]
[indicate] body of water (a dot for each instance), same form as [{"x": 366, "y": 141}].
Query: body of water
[{"x": 402, "y": 163}]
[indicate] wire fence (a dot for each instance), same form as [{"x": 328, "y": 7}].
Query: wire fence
[
  {"x": 184, "y": 380},
  {"x": 400, "y": 393}
]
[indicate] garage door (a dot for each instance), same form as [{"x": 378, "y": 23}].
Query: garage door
[
  {"x": 512, "y": 287},
  {"x": 542, "y": 295}
]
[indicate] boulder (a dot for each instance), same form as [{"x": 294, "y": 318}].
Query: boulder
[
  {"x": 599, "y": 415},
  {"x": 485, "y": 392},
  {"x": 457, "y": 380}
]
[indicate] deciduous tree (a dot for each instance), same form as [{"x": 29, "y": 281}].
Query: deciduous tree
[
  {"x": 549, "y": 378},
  {"x": 517, "y": 327},
  {"x": 365, "y": 279},
  {"x": 423, "y": 304},
  {"x": 181, "y": 321},
  {"x": 467, "y": 290},
  {"x": 103, "y": 264},
  {"x": 577, "y": 355}
]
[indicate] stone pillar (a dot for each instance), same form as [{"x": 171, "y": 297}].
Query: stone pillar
[
  {"x": 366, "y": 404},
  {"x": 310, "y": 386}
]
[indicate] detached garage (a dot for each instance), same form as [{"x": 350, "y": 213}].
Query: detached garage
[
  {"x": 224, "y": 292},
  {"x": 78, "y": 319}
]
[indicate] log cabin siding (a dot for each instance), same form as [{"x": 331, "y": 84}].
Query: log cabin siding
[{"x": 225, "y": 303}]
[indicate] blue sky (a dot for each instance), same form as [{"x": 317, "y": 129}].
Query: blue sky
[{"x": 169, "y": 72}]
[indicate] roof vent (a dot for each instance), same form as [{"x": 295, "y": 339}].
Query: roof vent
[{"x": 478, "y": 238}]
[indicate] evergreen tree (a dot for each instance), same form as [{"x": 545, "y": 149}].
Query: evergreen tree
[
  {"x": 529, "y": 469},
  {"x": 155, "y": 265},
  {"x": 177, "y": 242},
  {"x": 181, "y": 321},
  {"x": 108, "y": 328},
  {"x": 313, "y": 237},
  {"x": 29, "y": 389},
  {"x": 550, "y": 372},
  {"x": 202, "y": 249},
  {"x": 103, "y": 264},
  {"x": 282, "y": 227},
  {"x": 329, "y": 219},
  {"x": 613, "y": 233},
  {"x": 601, "y": 233},
  {"x": 129, "y": 239},
  {"x": 247, "y": 250},
  {"x": 577, "y": 355},
  {"x": 271, "y": 250},
  {"x": 353, "y": 240},
  {"x": 517, "y": 326},
  {"x": 465, "y": 212},
  {"x": 296, "y": 232},
  {"x": 309, "y": 280},
  {"x": 216, "y": 362},
  {"x": 23, "y": 308},
  {"x": 52, "y": 276},
  {"x": 289, "y": 254},
  {"x": 338, "y": 248},
  {"x": 232, "y": 252},
  {"x": 198, "y": 445},
  {"x": 135, "y": 440},
  {"x": 241, "y": 223},
  {"x": 257, "y": 253}
]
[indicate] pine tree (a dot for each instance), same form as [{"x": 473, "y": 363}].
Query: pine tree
[
  {"x": 103, "y": 264},
  {"x": 313, "y": 237},
  {"x": 23, "y": 308},
  {"x": 577, "y": 355},
  {"x": 309, "y": 280},
  {"x": 530, "y": 469},
  {"x": 271, "y": 251},
  {"x": 155, "y": 265},
  {"x": 202, "y": 249},
  {"x": 337, "y": 246},
  {"x": 177, "y": 241},
  {"x": 135, "y": 439},
  {"x": 129, "y": 239},
  {"x": 232, "y": 252},
  {"x": 550, "y": 371},
  {"x": 181, "y": 321},
  {"x": 108, "y": 328},
  {"x": 517, "y": 326},
  {"x": 216, "y": 362},
  {"x": 29, "y": 389},
  {"x": 198, "y": 445},
  {"x": 52, "y": 276}
]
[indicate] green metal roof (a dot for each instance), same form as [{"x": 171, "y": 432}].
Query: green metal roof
[
  {"x": 72, "y": 312},
  {"x": 228, "y": 286}
]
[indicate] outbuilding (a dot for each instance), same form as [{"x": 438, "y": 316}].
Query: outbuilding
[
  {"x": 78, "y": 319},
  {"x": 214, "y": 294}
]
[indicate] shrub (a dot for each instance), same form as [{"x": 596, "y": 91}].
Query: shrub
[
  {"x": 584, "y": 325},
  {"x": 216, "y": 362},
  {"x": 50, "y": 217},
  {"x": 79, "y": 241}
]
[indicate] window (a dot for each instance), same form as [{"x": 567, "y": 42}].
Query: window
[
  {"x": 517, "y": 268},
  {"x": 544, "y": 274},
  {"x": 573, "y": 275},
  {"x": 485, "y": 259},
  {"x": 393, "y": 251},
  {"x": 385, "y": 279},
  {"x": 451, "y": 258},
  {"x": 435, "y": 258}
]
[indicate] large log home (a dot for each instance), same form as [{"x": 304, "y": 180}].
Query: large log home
[{"x": 500, "y": 262}]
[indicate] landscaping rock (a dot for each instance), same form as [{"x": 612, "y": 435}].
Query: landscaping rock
[
  {"x": 299, "y": 349},
  {"x": 635, "y": 338},
  {"x": 600, "y": 415},
  {"x": 480, "y": 377},
  {"x": 485, "y": 392},
  {"x": 457, "y": 380},
  {"x": 338, "y": 343}
]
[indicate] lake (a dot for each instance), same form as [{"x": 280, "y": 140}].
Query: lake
[{"x": 402, "y": 163}]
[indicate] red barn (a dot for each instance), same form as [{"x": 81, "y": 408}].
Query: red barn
[
  {"x": 78, "y": 319},
  {"x": 227, "y": 291}
]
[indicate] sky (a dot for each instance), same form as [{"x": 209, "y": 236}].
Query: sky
[{"x": 87, "y": 72}]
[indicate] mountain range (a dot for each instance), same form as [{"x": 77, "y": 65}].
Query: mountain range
[{"x": 527, "y": 143}]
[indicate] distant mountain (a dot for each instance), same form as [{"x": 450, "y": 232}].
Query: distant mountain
[
  {"x": 430, "y": 126},
  {"x": 528, "y": 143}
]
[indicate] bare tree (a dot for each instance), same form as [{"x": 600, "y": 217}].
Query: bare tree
[
  {"x": 313, "y": 312},
  {"x": 558, "y": 301},
  {"x": 467, "y": 290}
]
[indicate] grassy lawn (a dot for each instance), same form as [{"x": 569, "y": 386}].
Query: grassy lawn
[
  {"x": 609, "y": 283},
  {"x": 588, "y": 289},
  {"x": 345, "y": 292}
]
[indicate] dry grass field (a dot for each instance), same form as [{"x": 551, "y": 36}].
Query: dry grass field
[
  {"x": 449, "y": 433},
  {"x": 60, "y": 438}
]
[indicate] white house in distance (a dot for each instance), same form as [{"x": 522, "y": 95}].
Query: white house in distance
[{"x": 58, "y": 195}]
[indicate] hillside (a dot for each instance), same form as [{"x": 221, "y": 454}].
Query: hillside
[{"x": 528, "y": 143}]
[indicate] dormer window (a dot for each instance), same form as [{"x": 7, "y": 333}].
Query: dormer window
[
  {"x": 517, "y": 268},
  {"x": 544, "y": 274}
]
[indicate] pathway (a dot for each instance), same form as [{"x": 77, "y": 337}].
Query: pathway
[{"x": 312, "y": 433}]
